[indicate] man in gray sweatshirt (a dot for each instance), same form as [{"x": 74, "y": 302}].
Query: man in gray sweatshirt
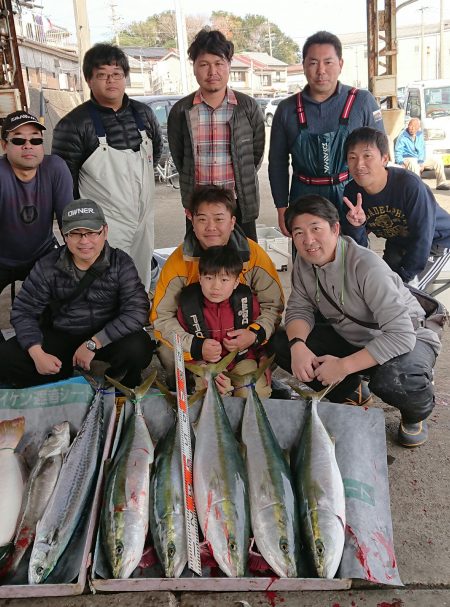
[{"x": 349, "y": 314}]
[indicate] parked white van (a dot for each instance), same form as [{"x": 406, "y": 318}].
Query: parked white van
[{"x": 429, "y": 100}]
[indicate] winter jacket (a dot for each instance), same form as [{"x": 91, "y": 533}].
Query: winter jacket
[
  {"x": 181, "y": 269},
  {"x": 363, "y": 286},
  {"x": 247, "y": 149},
  {"x": 407, "y": 146},
  {"x": 75, "y": 139},
  {"x": 112, "y": 306}
]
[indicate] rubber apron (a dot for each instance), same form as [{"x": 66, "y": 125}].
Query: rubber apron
[
  {"x": 319, "y": 164},
  {"x": 123, "y": 183}
]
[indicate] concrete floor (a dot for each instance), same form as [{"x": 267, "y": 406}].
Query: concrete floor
[{"x": 419, "y": 487}]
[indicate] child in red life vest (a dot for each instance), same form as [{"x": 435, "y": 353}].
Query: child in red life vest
[{"x": 215, "y": 307}]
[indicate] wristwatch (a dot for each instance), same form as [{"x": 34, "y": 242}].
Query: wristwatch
[
  {"x": 294, "y": 340},
  {"x": 91, "y": 345}
]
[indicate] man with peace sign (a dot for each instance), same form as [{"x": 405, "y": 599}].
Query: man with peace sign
[{"x": 396, "y": 205}]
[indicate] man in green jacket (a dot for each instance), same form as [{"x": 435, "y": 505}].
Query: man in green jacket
[{"x": 216, "y": 135}]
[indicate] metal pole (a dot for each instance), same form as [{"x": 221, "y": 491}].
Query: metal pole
[
  {"x": 182, "y": 45},
  {"x": 83, "y": 38},
  {"x": 441, "y": 41}
]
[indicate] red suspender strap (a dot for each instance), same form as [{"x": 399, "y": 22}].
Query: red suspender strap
[
  {"x": 301, "y": 112},
  {"x": 348, "y": 106},
  {"x": 331, "y": 180}
]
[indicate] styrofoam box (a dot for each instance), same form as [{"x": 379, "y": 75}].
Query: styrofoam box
[{"x": 275, "y": 244}]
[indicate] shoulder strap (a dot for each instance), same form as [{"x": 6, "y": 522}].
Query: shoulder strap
[
  {"x": 363, "y": 323},
  {"x": 91, "y": 274},
  {"x": 351, "y": 97},
  {"x": 242, "y": 303},
  {"x": 191, "y": 305}
]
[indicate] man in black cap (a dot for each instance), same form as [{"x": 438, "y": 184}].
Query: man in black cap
[
  {"x": 82, "y": 301},
  {"x": 33, "y": 188}
]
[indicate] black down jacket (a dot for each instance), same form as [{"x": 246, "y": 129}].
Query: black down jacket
[
  {"x": 75, "y": 139},
  {"x": 115, "y": 304}
]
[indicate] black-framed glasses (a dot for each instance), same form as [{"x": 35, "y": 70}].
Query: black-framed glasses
[
  {"x": 114, "y": 76},
  {"x": 23, "y": 141},
  {"x": 78, "y": 236}
]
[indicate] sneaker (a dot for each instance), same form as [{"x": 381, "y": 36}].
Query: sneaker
[
  {"x": 361, "y": 396},
  {"x": 443, "y": 186},
  {"x": 412, "y": 435}
]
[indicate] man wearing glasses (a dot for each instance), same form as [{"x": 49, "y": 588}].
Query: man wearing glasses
[
  {"x": 33, "y": 188},
  {"x": 111, "y": 144},
  {"x": 82, "y": 301}
]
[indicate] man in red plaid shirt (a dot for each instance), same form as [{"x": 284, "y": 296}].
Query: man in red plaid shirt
[{"x": 217, "y": 135}]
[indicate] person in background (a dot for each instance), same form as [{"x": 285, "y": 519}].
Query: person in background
[
  {"x": 371, "y": 323},
  {"x": 216, "y": 135},
  {"x": 410, "y": 153},
  {"x": 215, "y": 306},
  {"x": 81, "y": 302},
  {"x": 310, "y": 128},
  {"x": 396, "y": 205},
  {"x": 111, "y": 144},
  {"x": 34, "y": 188}
]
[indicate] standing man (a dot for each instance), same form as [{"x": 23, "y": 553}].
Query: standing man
[
  {"x": 410, "y": 153},
  {"x": 396, "y": 205},
  {"x": 33, "y": 188},
  {"x": 216, "y": 135},
  {"x": 310, "y": 128},
  {"x": 95, "y": 307},
  {"x": 110, "y": 144}
]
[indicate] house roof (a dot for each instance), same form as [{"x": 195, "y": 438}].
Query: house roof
[
  {"x": 155, "y": 52},
  {"x": 263, "y": 58}
]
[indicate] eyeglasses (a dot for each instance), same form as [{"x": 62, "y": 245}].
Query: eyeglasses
[
  {"x": 114, "y": 76},
  {"x": 78, "y": 236},
  {"x": 23, "y": 141}
]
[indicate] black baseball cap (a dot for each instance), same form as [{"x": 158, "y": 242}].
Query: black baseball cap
[
  {"x": 82, "y": 213},
  {"x": 16, "y": 119}
]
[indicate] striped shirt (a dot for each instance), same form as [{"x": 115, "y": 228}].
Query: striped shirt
[{"x": 212, "y": 142}]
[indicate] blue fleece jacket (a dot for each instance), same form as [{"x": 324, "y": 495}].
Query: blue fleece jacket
[
  {"x": 407, "y": 147},
  {"x": 406, "y": 213}
]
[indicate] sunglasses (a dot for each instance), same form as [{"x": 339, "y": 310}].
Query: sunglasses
[{"x": 22, "y": 140}]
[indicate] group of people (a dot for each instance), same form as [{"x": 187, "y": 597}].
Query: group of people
[{"x": 349, "y": 316}]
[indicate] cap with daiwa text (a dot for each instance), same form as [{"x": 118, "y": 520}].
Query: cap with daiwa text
[
  {"x": 82, "y": 213},
  {"x": 12, "y": 122}
]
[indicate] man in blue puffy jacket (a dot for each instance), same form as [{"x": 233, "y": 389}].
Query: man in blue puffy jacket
[{"x": 81, "y": 302}]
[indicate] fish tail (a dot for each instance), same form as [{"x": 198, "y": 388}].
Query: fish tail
[
  {"x": 142, "y": 390},
  {"x": 253, "y": 376},
  {"x": 212, "y": 368},
  {"x": 126, "y": 391},
  {"x": 11, "y": 431}
]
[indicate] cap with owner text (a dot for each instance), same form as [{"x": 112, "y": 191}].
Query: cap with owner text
[{"x": 83, "y": 213}]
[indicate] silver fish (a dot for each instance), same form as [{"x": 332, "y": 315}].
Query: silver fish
[
  {"x": 273, "y": 505},
  {"x": 320, "y": 492},
  {"x": 12, "y": 480},
  {"x": 70, "y": 496},
  {"x": 39, "y": 488},
  {"x": 220, "y": 480},
  {"x": 124, "y": 519}
]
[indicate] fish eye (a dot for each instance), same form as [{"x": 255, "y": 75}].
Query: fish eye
[
  {"x": 119, "y": 549},
  {"x": 284, "y": 545},
  {"x": 232, "y": 545},
  {"x": 171, "y": 550},
  {"x": 39, "y": 570},
  {"x": 320, "y": 548}
]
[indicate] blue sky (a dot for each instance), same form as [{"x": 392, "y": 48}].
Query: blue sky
[{"x": 296, "y": 19}]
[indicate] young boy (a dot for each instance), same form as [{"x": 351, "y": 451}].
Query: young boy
[{"x": 213, "y": 307}]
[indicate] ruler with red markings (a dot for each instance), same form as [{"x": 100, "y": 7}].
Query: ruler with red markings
[{"x": 184, "y": 427}]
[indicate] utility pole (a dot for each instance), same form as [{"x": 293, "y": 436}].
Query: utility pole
[
  {"x": 115, "y": 22},
  {"x": 83, "y": 39},
  {"x": 182, "y": 45},
  {"x": 441, "y": 41},
  {"x": 270, "y": 38},
  {"x": 422, "y": 44}
]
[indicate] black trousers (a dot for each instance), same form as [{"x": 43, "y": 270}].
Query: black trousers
[
  {"x": 404, "y": 382},
  {"x": 10, "y": 275},
  {"x": 127, "y": 357}
]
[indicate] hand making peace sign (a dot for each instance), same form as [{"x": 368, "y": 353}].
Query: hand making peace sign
[{"x": 356, "y": 215}]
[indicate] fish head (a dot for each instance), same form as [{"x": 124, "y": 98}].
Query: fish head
[
  {"x": 123, "y": 561},
  {"x": 57, "y": 440},
  {"x": 173, "y": 545},
  {"x": 329, "y": 539},
  {"x": 41, "y": 564},
  {"x": 229, "y": 553}
]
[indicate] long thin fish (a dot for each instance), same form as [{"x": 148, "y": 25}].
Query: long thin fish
[
  {"x": 39, "y": 488},
  {"x": 70, "y": 496},
  {"x": 124, "y": 519},
  {"x": 320, "y": 492},
  {"x": 220, "y": 480}
]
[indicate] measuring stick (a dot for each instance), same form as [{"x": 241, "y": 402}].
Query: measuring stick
[{"x": 184, "y": 427}]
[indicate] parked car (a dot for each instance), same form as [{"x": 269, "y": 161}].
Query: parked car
[
  {"x": 429, "y": 100},
  {"x": 262, "y": 102},
  {"x": 161, "y": 105},
  {"x": 271, "y": 108}
]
